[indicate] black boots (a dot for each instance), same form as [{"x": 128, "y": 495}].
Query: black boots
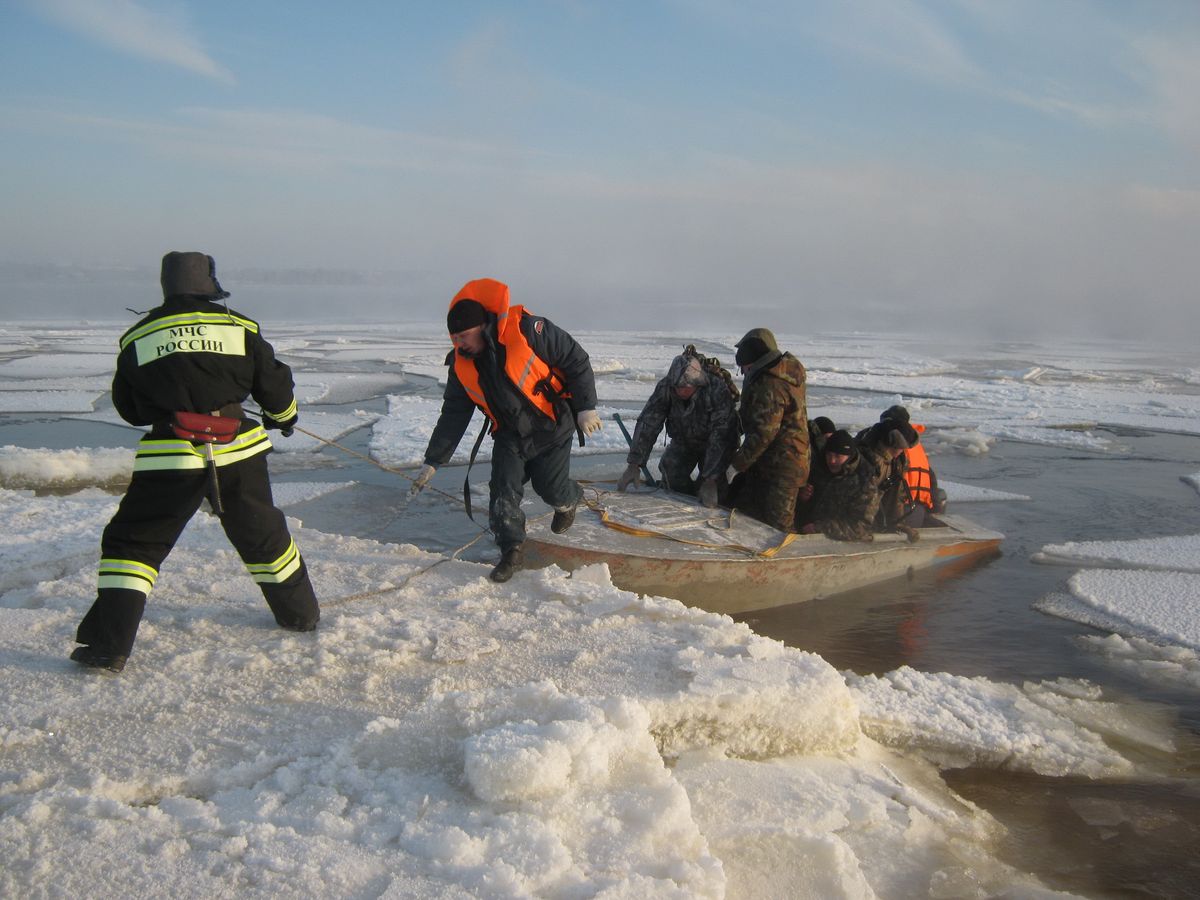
[
  {"x": 510, "y": 561},
  {"x": 563, "y": 519},
  {"x": 95, "y": 658}
]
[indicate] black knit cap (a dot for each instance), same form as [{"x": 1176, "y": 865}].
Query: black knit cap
[
  {"x": 465, "y": 314},
  {"x": 824, "y": 424},
  {"x": 840, "y": 442}
]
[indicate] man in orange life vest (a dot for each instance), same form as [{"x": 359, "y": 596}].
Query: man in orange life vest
[
  {"x": 535, "y": 384},
  {"x": 922, "y": 495}
]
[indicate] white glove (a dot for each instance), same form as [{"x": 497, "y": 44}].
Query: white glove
[
  {"x": 730, "y": 474},
  {"x": 422, "y": 479},
  {"x": 708, "y": 493},
  {"x": 588, "y": 421},
  {"x": 628, "y": 477}
]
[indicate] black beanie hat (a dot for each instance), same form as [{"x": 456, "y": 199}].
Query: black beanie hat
[
  {"x": 465, "y": 314},
  {"x": 895, "y": 413},
  {"x": 190, "y": 273},
  {"x": 824, "y": 424},
  {"x": 840, "y": 442}
]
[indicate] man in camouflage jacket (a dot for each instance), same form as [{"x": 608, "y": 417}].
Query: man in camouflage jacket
[
  {"x": 697, "y": 408},
  {"x": 842, "y": 496},
  {"x": 773, "y": 458},
  {"x": 884, "y": 444}
]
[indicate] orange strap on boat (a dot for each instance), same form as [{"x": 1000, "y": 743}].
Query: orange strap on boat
[{"x": 648, "y": 533}]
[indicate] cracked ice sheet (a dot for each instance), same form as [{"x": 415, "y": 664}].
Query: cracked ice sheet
[
  {"x": 970, "y": 493},
  {"x": 437, "y": 735},
  {"x": 1156, "y": 606},
  {"x": 1158, "y": 663},
  {"x": 872, "y": 825},
  {"x": 1176, "y": 553},
  {"x": 400, "y": 437},
  {"x": 1148, "y": 602},
  {"x": 29, "y": 468},
  {"x": 1052, "y": 728}
]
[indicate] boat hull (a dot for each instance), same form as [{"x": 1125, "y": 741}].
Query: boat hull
[{"x": 690, "y": 564}]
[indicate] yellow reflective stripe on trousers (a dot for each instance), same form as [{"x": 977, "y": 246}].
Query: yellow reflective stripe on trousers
[
  {"x": 127, "y": 574},
  {"x": 278, "y": 571},
  {"x": 155, "y": 455}
]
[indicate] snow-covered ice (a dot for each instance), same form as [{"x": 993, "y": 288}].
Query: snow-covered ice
[
  {"x": 554, "y": 736},
  {"x": 440, "y": 735},
  {"x": 1147, "y": 594}
]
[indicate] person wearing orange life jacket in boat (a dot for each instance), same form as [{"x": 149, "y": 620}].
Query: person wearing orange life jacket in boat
[
  {"x": 924, "y": 494},
  {"x": 535, "y": 385},
  {"x": 920, "y": 494}
]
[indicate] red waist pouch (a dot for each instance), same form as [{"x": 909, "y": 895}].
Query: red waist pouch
[{"x": 205, "y": 428}]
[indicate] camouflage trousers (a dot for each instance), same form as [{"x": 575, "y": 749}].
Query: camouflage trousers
[
  {"x": 770, "y": 495},
  {"x": 680, "y": 460}
]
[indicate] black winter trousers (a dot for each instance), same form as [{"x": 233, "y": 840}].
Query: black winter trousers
[
  {"x": 153, "y": 513},
  {"x": 550, "y": 474}
]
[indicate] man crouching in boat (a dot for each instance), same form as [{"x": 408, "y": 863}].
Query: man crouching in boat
[
  {"x": 535, "y": 384},
  {"x": 696, "y": 403},
  {"x": 841, "y": 498}
]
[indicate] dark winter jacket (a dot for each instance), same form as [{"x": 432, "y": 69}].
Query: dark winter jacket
[
  {"x": 194, "y": 355},
  {"x": 844, "y": 505},
  {"x": 519, "y": 422}
]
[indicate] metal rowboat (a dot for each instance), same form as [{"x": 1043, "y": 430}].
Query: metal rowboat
[{"x": 668, "y": 545}]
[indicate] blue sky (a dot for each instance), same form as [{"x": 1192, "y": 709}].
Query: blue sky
[{"x": 979, "y": 163}]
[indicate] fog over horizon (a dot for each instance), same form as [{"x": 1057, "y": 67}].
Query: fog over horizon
[
  {"x": 962, "y": 168},
  {"x": 279, "y": 297}
]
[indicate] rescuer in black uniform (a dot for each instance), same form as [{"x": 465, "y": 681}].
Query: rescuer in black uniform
[{"x": 194, "y": 355}]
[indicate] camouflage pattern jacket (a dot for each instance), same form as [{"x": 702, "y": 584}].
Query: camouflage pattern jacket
[
  {"x": 707, "y": 423},
  {"x": 844, "y": 505},
  {"x": 893, "y": 490},
  {"x": 774, "y": 420}
]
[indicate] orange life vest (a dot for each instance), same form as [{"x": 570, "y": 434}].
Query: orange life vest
[
  {"x": 535, "y": 379},
  {"x": 919, "y": 476}
]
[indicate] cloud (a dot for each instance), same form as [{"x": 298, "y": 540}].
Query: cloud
[
  {"x": 900, "y": 34},
  {"x": 1171, "y": 71},
  {"x": 124, "y": 25},
  {"x": 278, "y": 142}
]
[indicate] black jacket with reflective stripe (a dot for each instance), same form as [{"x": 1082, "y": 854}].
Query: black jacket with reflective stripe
[{"x": 195, "y": 355}]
